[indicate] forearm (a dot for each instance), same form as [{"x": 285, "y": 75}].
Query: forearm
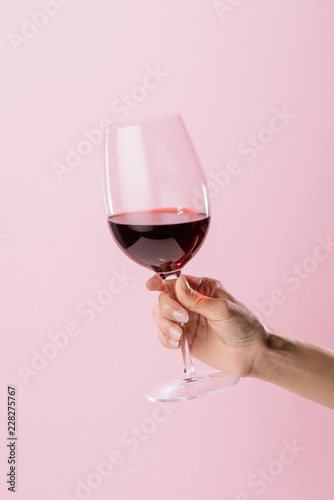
[{"x": 305, "y": 369}]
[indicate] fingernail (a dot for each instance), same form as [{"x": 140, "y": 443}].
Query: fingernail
[
  {"x": 175, "y": 333},
  {"x": 180, "y": 316},
  {"x": 173, "y": 343},
  {"x": 184, "y": 283}
]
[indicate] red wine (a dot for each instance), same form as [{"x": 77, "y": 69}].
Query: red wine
[{"x": 162, "y": 240}]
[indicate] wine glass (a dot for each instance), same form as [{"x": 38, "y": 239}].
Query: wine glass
[{"x": 158, "y": 212}]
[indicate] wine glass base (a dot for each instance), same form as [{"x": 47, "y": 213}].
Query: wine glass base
[{"x": 199, "y": 385}]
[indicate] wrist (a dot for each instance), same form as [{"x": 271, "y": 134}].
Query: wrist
[{"x": 277, "y": 353}]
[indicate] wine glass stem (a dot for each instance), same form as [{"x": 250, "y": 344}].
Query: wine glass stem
[{"x": 188, "y": 370}]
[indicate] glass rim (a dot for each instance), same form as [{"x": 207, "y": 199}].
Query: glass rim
[{"x": 139, "y": 121}]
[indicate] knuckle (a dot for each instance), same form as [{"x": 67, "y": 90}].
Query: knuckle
[
  {"x": 215, "y": 284},
  {"x": 210, "y": 286},
  {"x": 165, "y": 309},
  {"x": 163, "y": 339},
  {"x": 197, "y": 297},
  {"x": 164, "y": 304},
  {"x": 225, "y": 305},
  {"x": 155, "y": 312},
  {"x": 162, "y": 297},
  {"x": 218, "y": 285}
]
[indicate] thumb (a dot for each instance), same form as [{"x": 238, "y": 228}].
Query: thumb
[{"x": 210, "y": 308}]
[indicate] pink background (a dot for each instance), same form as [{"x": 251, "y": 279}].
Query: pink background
[{"x": 225, "y": 68}]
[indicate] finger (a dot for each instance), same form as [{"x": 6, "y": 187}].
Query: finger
[
  {"x": 169, "y": 328},
  {"x": 222, "y": 293},
  {"x": 207, "y": 286},
  {"x": 167, "y": 342},
  {"x": 171, "y": 309},
  {"x": 192, "y": 300},
  {"x": 210, "y": 287},
  {"x": 155, "y": 284}
]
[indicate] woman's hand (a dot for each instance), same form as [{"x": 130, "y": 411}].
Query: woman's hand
[{"x": 220, "y": 331}]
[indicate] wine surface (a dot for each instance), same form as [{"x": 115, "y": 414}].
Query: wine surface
[{"x": 162, "y": 240}]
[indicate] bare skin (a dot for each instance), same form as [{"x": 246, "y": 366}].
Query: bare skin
[{"x": 226, "y": 335}]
